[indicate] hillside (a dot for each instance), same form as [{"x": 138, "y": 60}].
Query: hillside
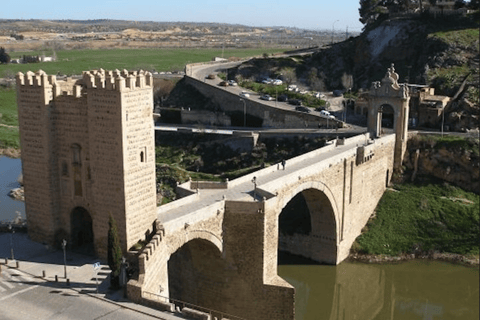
[{"x": 441, "y": 53}]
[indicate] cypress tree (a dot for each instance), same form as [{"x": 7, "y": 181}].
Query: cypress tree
[{"x": 114, "y": 252}]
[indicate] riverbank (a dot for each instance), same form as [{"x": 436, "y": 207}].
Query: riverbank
[
  {"x": 465, "y": 260},
  {"x": 10, "y": 152}
]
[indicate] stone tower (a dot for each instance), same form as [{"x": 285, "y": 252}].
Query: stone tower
[{"x": 87, "y": 153}]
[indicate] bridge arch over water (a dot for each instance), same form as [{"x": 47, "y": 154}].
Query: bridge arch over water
[{"x": 323, "y": 222}]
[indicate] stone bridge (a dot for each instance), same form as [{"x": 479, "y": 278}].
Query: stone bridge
[{"x": 217, "y": 247}]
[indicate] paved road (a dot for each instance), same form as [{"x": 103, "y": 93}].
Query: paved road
[
  {"x": 25, "y": 294},
  {"x": 242, "y": 191}
]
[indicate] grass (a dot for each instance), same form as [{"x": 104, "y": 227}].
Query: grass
[
  {"x": 9, "y": 136},
  {"x": 457, "y": 143},
  {"x": 8, "y": 106},
  {"x": 71, "y": 62},
  {"x": 464, "y": 37},
  {"x": 422, "y": 218}
]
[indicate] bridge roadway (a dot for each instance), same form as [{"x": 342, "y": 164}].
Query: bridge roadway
[
  {"x": 350, "y": 130},
  {"x": 241, "y": 189}
]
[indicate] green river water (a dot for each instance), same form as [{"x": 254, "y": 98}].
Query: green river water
[{"x": 424, "y": 290}]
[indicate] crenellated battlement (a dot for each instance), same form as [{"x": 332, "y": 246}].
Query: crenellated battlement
[
  {"x": 117, "y": 80},
  {"x": 37, "y": 79}
]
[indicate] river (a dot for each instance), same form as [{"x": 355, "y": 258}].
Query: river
[
  {"x": 10, "y": 170},
  {"x": 418, "y": 289},
  {"x": 423, "y": 290}
]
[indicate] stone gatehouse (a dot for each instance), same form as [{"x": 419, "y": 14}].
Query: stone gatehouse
[{"x": 87, "y": 153}]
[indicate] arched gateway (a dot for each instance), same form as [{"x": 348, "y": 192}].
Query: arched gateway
[{"x": 385, "y": 95}]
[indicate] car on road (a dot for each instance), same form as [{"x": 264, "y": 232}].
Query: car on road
[
  {"x": 266, "y": 97},
  {"x": 224, "y": 84},
  {"x": 282, "y": 97},
  {"x": 211, "y": 76},
  {"x": 232, "y": 83},
  {"x": 245, "y": 94},
  {"x": 295, "y": 102},
  {"x": 327, "y": 114},
  {"x": 302, "y": 109}
]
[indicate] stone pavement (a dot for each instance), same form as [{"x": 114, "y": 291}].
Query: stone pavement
[{"x": 41, "y": 265}]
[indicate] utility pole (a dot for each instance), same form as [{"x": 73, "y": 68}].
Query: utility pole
[{"x": 333, "y": 28}]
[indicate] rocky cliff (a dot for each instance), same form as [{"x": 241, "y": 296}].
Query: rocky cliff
[{"x": 452, "y": 159}]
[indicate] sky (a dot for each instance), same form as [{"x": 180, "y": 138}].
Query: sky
[{"x": 304, "y": 14}]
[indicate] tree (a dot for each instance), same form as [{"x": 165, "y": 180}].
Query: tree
[
  {"x": 370, "y": 10},
  {"x": 4, "y": 57},
  {"x": 114, "y": 252}
]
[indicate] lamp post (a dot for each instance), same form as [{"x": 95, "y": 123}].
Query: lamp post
[
  {"x": 10, "y": 228},
  {"x": 333, "y": 28},
  {"x": 244, "y": 112},
  {"x": 64, "y": 246}
]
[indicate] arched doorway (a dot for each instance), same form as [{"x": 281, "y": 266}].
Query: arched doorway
[
  {"x": 82, "y": 231},
  {"x": 307, "y": 228},
  {"x": 386, "y": 118}
]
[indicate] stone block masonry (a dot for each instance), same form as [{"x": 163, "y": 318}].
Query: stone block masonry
[{"x": 88, "y": 153}]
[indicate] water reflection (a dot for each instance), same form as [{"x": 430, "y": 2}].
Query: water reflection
[
  {"x": 10, "y": 170},
  {"x": 412, "y": 290}
]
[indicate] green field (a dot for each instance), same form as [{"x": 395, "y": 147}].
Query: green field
[
  {"x": 71, "y": 62},
  {"x": 421, "y": 218},
  {"x": 8, "y": 119}
]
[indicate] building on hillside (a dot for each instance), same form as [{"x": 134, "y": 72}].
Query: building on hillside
[{"x": 87, "y": 153}]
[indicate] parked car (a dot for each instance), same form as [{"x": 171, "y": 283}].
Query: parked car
[
  {"x": 295, "y": 102},
  {"x": 232, "y": 82},
  {"x": 337, "y": 93},
  {"x": 302, "y": 109},
  {"x": 327, "y": 114},
  {"x": 245, "y": 94},
  {"x": 211, "y": 76},
  {"x": 267, "y": 81},
  {"x": 277, "y": 82},
  {"x": 292, "y": 87},
  {"x": 282, "y": 97},
  {"x": 266, "y": 97},
  {"x": 224, "y": 84}
]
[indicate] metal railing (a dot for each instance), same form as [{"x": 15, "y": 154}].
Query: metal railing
[{"x": 182, "y": 304}]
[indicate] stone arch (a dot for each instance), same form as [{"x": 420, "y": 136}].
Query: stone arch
[
  {"x": 321, "y": 242},
  {"x": 81, "y": 234},
  {"x": 386, "y": 117},
  {"x": 190, "y": 235},
  {"x": 196, "y": 273}
]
